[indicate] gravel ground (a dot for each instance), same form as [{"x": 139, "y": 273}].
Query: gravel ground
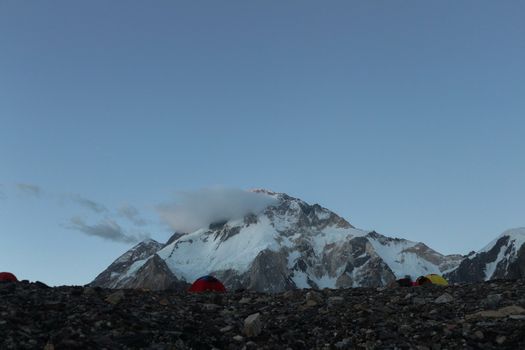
[{"x": 477, "y": 316}]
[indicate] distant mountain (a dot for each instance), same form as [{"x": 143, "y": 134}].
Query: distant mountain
[
  {"x": 139, "y": 267},
  {"x": 503, "y": 258},
  {"x": 291, "y": 244}
]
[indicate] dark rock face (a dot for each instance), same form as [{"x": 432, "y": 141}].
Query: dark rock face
[
  {"x": 488, "y": 315},
  {"x": 269, "y": 273},
  {"x": 362, "y": 266},
  {"x": 154, "y": 275},
  {"x": 226, "y": 232},
  {"x": 141, "y": 251},
  {"x": 174, "y": 237},
  {"x": 217, "y": 225},
  {"x": 250, "y": 219},
  {"x": 516, "y": 269}
]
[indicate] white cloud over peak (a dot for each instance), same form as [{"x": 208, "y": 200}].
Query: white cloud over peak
[{"x": 200, "y": 208}]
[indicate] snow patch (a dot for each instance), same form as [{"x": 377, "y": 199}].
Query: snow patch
[
  {"x": 491, "y": 267},
  {"x": 400, "y": 261},
  {"x": 332, "y": 235},
  {"x": 292, "y": 258},
  {"x": 200, "y": 252},
  {"x": 300, "y": 279},
  {"x": 133, "y": 269},
  {"x": 322, "y": 214}
]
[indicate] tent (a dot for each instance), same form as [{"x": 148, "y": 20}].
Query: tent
[
  {"x": 422, "y": 280},
  {"x": 437, "y": 279},
  {"x": 7, "y": 277},
  {"x": 431, "y": 279},
  {"x": 404, "y": 282},
  {"x": 207, "y": 284}
]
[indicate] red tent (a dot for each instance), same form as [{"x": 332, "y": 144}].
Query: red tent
[
  {"x": 7, "y": 277},
  {"x": 207, "y": 284}
]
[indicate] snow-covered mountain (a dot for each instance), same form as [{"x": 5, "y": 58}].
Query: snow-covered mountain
[
  {"x": 290, "y": 244},
  {"x": 139, "y": 267},
  {"x": 504, "y": 257}
]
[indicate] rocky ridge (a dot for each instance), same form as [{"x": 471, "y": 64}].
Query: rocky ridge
[
  {"x": 503, "y": 258},
  {"x": 488, "y": 315}
]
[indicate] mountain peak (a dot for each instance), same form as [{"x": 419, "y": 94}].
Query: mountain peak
[
  {"x": 289, "y": 244},
  {"x": 516, "y": 235},
  {"x": 503, "y": 258}
]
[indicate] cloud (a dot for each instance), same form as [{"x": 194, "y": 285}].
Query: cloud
[
  {"x": 200, "y": 208},
  {"x": 29, "y": 189},
  {"x": 132, "y": 214},
  {"x": 107, "y": 229},
  {"x": 87, "y": 203}
]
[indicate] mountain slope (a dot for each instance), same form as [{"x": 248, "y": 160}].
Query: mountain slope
[
  {"x": 127, "y": 264},
  {"x": 503, "y": 258},
  {"x": 289, "y": 245}
]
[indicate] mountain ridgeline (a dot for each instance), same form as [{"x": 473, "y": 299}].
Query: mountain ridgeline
[{"x": 293, "y": 245}]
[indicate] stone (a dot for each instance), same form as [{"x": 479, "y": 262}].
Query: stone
[
  {"x": 226, "y": 329},
  {"x": 49, "y": 346},
  {"x": 41, "y": 284},
  {"x": 116, "y": 297},
  {"x": 289, "y": 294},
  {"x": 517, "y": 317},
  {"x": 444, "y": 298},
  {"x": 492, "y": 301},
  {"x": 479, "y": 335},
  {"x": 405, "y": 329},
  {"x": 253, "y": 325},
  {"x": 418, "y": 301},
  {"x": 501, "y": 339},
  {"x": 313, "y": 298},
  {"x": 210, "y": 307},
  {"x": 335, "y": 300},
  {"x": 343, "y": 344},
  {"x": 503, "y": 312},
  {"x": 89, "y": 291}
]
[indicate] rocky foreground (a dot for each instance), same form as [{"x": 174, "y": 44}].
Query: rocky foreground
[{"x": 477, "y": 316}]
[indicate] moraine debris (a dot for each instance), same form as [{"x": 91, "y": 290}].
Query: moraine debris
[{"x": 452, "y": 317}]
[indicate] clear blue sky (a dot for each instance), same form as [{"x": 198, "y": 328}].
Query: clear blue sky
[{"x": 406, "y": 117}]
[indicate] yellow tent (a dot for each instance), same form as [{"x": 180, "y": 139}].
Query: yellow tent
[{"x": 437, "y": 279}]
